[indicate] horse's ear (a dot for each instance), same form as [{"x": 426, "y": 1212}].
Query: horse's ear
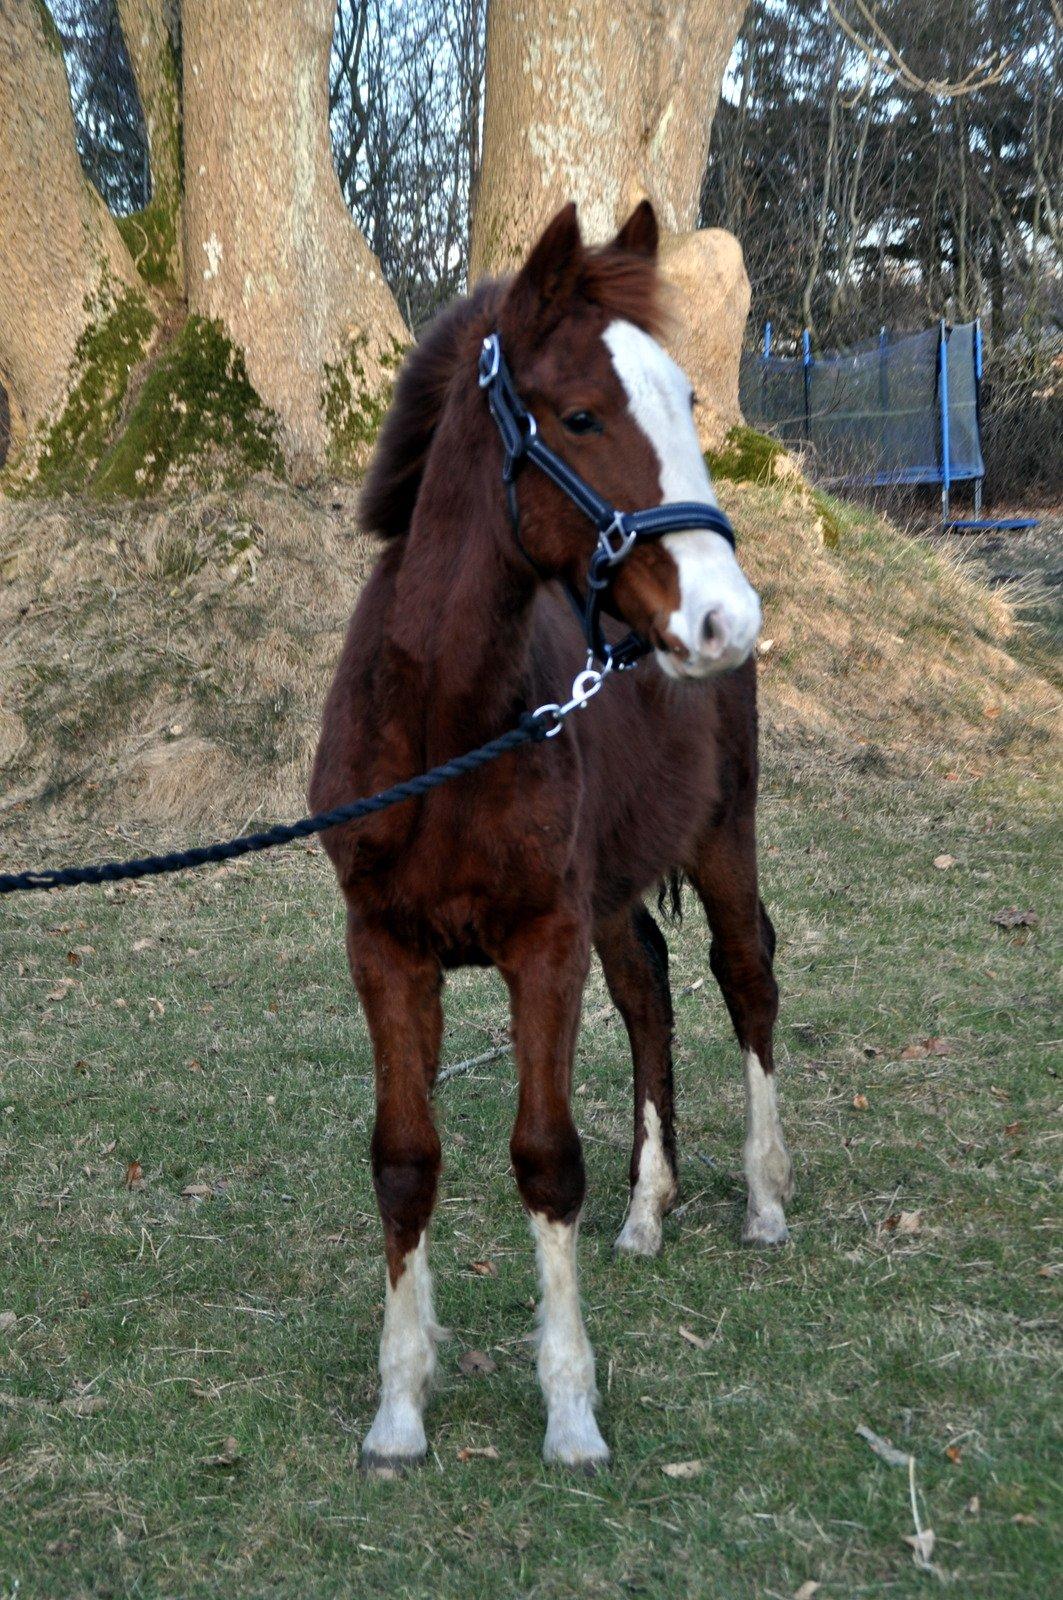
[
  {"x": 552, "y": 271},
  {"x": 640, "y": 234}
]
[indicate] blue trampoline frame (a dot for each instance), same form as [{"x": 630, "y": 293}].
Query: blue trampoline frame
[{"x": 944, "y": 472}]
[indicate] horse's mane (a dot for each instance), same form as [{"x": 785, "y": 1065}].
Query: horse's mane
[{"x": 622, "y": 283}]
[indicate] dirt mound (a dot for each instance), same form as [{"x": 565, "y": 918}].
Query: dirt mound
[{"x": 164, "y": 666}]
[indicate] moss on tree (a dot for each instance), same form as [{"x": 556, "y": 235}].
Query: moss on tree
[
  {"x": 746, "y": 457},
  {"x": 353, "y": 408},
  {"x": 112, "y": 344},
  {"x": 151, "y": 239},
  {"x": 197, "y": 420},
  {"x": 151, "y": 235}
]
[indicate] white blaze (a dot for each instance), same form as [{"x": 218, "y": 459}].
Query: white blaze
[{"x": 719, "y": 614}]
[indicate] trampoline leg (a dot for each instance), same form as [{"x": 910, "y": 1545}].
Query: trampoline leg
[
  {"x": 977, "y": 498},
  {"x": 944, "y": 502}
]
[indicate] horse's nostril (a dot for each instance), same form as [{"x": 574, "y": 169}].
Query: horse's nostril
[{"x": 711, "y": 630}]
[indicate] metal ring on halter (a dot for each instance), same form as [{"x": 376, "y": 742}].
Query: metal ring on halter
[{"x": 491, "y": 346}]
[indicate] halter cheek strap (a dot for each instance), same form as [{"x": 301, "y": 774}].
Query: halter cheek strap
[{"x": 619, "y": 532}]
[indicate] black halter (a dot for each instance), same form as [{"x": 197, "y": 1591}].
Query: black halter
[{"x": 618, "y": 531}]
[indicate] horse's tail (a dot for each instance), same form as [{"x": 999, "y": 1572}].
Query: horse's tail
[{"x": 670, "y": 897}]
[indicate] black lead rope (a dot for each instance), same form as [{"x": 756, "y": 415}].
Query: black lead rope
[
  {"x": 619, "y": 532},
  {"x": 533, "y": 727}
]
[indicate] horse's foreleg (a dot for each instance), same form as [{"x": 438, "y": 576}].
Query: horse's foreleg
[
  {"x": 634, "y": 959},
  {"x": 400, "y": 994},
  {"x": 743, "y": 947},
  {"x": 545, "y": 967}
]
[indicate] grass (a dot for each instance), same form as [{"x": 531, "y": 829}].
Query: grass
[{"x": 205, "y": 1029}]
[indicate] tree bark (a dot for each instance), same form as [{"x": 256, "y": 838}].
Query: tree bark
[
  {"x": 150, "y": 29},
  {"x": 270, "y": 249},
  {"x": 608, "y": 105},
  {"x": 63, "y": 265},
  {"x": 601, "y": 104}
]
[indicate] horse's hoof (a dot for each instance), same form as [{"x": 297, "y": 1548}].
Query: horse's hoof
[
  {"x": 767, "y": 1227},
  {"x": 575, "y": 1442},
  {"x": 639, "y": 1239},
  {"x": 375, "y": 1465}
]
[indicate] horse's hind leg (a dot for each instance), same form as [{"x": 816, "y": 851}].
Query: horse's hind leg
[
  {"x": 743, "y": 946},
  {"x": 400, "y": 995},
  {"x": 634, "y": 959}
]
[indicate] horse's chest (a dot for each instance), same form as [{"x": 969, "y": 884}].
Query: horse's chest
[{"x": 478, "y": 863}]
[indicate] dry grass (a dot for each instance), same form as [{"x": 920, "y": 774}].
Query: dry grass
[{"x": 165, "y": 666}]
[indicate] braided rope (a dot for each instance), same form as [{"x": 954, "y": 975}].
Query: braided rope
[{"x": 533, "y": 727}]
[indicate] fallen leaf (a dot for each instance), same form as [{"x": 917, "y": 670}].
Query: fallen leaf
[
  {"x": 61, "y": 989},
  {"x": 142, "y": 944},
  {"x": 1012, "y": 1127},
  {"x": 973, "y": 1506},
  {"x": 134, "y": 1175},
  {"x": 922, "y": 1546},
  {"x": 954, "y": 1453},
  {"x": 870, "y": 1051},
  {"x": 883, "y": 1448},
  {"x": 486, "y": 1452},
  {"x": 1024, "y": 1519},
  {"x": 938, "y": 1047},
  {"x": 194, "y": 1065},
  {"x": 7, "y": 1321},
  {"x": 904, "y": 1222},
  {"x": 227, "y": 1456},
  {"x": 476, "y": 1363},
  {"x": 683, "y": 1469},
  {"x": 84, "y": 1405},
  {"x": 109, "y": 1148},
  {"x": 914, "y": 1052},
  {"x": 196, "y": 1191},
  {"x": 483, "y": 1269},
  {"x": 1013, "y": 917},
  {"x": 943, "y": 863},
  {"x": 694, "y": 1338},
  {"x": 991, "y": 712},
  {"x": 807, "y": 1589},
  {"x": 860, "y": 1102}
]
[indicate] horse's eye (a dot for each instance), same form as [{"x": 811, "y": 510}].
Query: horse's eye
[{"x": 582, "y": 422}]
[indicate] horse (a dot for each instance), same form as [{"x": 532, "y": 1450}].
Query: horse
[{"x": 527, "y": 865}]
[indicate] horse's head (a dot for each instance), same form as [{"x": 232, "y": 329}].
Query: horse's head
[{"x": 578, "y": 327}]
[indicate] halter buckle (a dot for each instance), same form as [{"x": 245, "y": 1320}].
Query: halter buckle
[{"x": 616, "y": 541}]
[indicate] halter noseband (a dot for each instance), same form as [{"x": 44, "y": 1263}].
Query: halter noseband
[{"x": 618, "y": 531}]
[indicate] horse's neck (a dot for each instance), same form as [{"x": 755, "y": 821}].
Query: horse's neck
[{"x": 463, "y": 597}]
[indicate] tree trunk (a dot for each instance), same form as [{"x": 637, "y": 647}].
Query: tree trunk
[
  {"x": 601, "y": 104},
  {"x": 64, "y": 270},
  {"x": 151, "y": 32},
  {"x": 270, "y": 249},
  {"x": 607, "y": 105}
]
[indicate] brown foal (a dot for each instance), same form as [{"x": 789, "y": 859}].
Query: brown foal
[{"x": 546, "y": 854}]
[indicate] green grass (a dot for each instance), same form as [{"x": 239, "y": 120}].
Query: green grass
[{"x": 227, "y": 1051}]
